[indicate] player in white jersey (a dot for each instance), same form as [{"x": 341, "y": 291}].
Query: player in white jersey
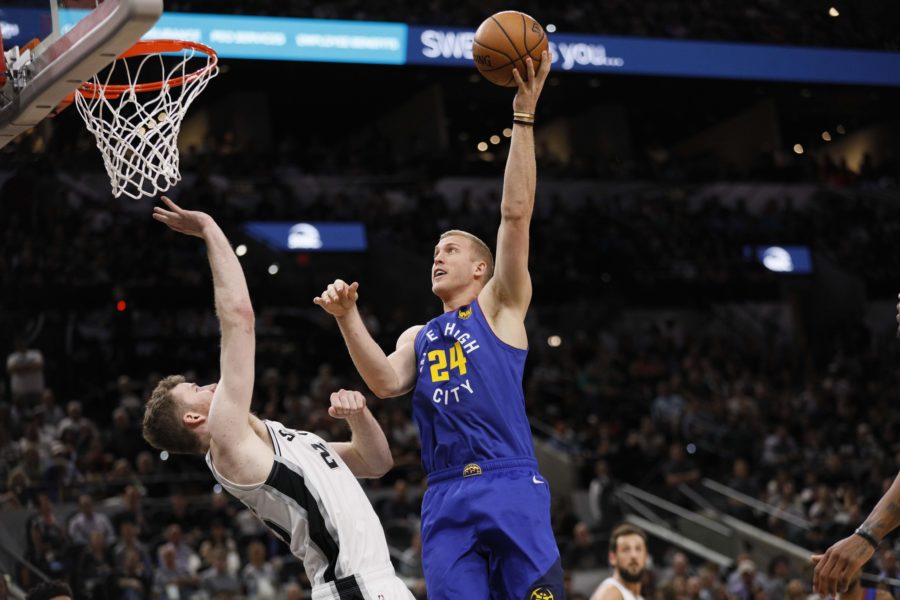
[
  {"x": 628, "y": 558},
  {"x": 303, "y": 488}
]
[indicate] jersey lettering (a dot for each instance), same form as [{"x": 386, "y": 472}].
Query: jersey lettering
[{"x": 326, "y": 455}]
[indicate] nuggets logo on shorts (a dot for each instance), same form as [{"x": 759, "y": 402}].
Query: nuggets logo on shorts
[
  {"x": 465, "y": 312},
  {"x": 471, "y": 469},
  {"x": 541, "y": 593}
]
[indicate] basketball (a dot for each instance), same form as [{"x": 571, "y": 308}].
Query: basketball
[{"x": 503, "y": 42}]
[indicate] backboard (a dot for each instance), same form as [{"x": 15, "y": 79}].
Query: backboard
[{"x": 76, "y": 39}]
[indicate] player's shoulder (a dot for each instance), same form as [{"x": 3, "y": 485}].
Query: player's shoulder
[
  {"x": 409, "y": 335},
  {"x": 608, "y": 591}
]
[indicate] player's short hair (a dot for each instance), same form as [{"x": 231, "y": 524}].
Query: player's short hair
[
  {"x": 623, "y": 530},
  {"x": 49, "y": 589},
  {"x": 163, "y": 425},
  {"x": 481, "y": 249}
]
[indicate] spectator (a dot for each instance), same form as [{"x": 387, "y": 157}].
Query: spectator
[
  {"x": 186, "y": 559},
  {"x": 171, "y": 580},
  {"x": 584, "y": 551},
  {"x": 130, "y": 509},
  {"x": 134, "y": 578},
  {"x": 151, "y": 478},
  {"x": 604, "y": 507},
  {"x": 95, "y": 569},
  {"x": 216, "y": 580},
  {"x": 258, "y": 575},
  {"x": 679, "y": 470},
  {"x": 124, "y": 441},
  {"x": 745, "y": 583},
  {"x": 779, "y": 576},
  {"x": 86, "y": 521},
  {"x": 220, "y": 539},
  {"x": 129, "y": 544},
  {"x": 399, "y": 505},
  {"x": 25, "y": 367},
  {"x": 889, "y": 569},
  {"x": 679, "y": 569}
]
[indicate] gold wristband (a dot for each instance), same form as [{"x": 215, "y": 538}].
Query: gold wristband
[{"x": 523, "y": 115}]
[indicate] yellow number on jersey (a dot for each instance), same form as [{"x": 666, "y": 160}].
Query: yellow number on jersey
[
  {"x": 438, "y": 369},
  {"x": 438, "y": 360},
  {"x": 457, "y": 358}
]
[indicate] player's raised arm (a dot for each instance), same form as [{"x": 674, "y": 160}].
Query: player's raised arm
[
  {"x": 367, "y": 454},
  {"x": 511, "y": 283},
  {"x": 227, "y": 421},
  {"x": 387, "y": 376}
]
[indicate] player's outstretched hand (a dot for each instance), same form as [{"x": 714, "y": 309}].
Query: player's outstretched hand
[
  {"x": 338, "y": 298},
  {"x": 188, "y": 222},
  {"x": 530, "y": 90},
  {"x": 839, "y": 565},
  {"x": 346, "y": 404}
]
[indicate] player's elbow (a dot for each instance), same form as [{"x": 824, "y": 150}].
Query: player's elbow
[
  {"x": 384, "y": 392},
  {"x": 386, "y": 389},
  {"x": 512, "y": 212},
  {"x": 381, "y": 394},
  {"x": 239, "y": 314},
  {"x": 384, "y": 464}
]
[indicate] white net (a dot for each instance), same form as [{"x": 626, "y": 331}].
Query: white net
[{"x": 137, "y": 130}]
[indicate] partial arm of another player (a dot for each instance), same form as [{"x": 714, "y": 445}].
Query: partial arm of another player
[
  {"x": 510, "y": 286},
  {"x": 367, "y": 454},
  {"x": 387, "y": 376},
  {"x": 227, "y": 419},
  {"x": 839, "y": 565}
]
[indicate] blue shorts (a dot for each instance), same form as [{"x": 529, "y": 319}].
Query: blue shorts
[{"x": 487, "y": 535}]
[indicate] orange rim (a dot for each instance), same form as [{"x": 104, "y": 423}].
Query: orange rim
[{"x": 93, "y": 90}]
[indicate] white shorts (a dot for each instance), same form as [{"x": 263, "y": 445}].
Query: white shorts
[{"x": 376, "y": 585}]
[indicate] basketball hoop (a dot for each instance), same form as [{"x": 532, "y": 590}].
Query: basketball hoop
[{"x": 136, "y": 124}]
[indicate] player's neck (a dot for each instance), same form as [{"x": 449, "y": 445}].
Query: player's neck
[
  {"x": 634, "y": 588},
  {"x": 461, "y": 298}
]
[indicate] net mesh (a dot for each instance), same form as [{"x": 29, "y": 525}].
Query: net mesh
[{"x": 137, "y": 130}]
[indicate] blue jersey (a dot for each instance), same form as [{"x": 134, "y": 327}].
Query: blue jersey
[{"x": 468, "y": 401}]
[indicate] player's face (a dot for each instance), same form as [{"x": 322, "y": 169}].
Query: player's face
[
  {"x": 453, "y": 265},
  {"x": 630, "y": 557},
  {"x": 196, "y": 398}
]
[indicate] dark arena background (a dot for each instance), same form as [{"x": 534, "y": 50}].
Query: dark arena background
[{"x": 712, "y": 338}]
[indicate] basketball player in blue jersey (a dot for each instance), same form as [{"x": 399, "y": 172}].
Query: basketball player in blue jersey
[
  {"x": 303, "y": 488},
  {"x": 486, "y": 514}
]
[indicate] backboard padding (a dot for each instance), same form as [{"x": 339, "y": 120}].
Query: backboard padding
[{"x": 58, "y": 68}]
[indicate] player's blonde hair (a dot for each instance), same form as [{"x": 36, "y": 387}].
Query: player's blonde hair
[
  {"x": 163, "y": 426},
  {"x": 482, "y": 252}
]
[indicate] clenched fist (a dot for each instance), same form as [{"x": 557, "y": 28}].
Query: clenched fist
[{"x": 346, "y": 404}]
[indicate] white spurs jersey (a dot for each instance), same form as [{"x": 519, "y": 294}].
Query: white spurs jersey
[
  {"x": 313, "y": 503},
  {"x": 613, "y": 582}
]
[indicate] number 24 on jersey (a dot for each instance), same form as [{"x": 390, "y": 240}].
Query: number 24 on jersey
[{"x": 441, "y": 366}]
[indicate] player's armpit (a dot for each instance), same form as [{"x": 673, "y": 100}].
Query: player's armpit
[
  {"x": 403, "y": 363},
  {"x": 244, "y": 460}
]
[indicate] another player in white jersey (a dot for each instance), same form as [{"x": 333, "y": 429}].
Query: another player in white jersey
[
  {"x": 303, "y": 488},
  {"x": 628, "y": 558}
]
